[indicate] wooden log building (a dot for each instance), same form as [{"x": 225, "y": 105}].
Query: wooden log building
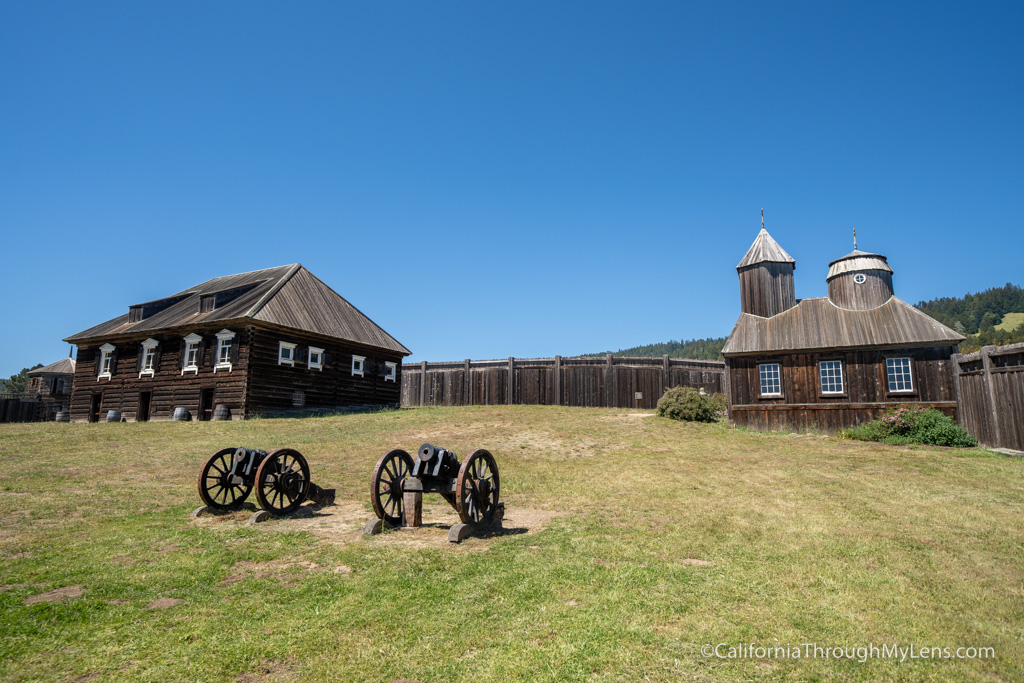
[
  {"x": 269, "y": 342},
  {"x": 831, "y": 362},
  {"x": 52, "y": 383}
]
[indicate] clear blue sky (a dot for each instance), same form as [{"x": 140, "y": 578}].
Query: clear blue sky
[{"x": 495, "y": 179}]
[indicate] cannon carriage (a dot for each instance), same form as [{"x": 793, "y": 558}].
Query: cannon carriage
[
  {"x": 280, "y": 479},
  {"x": 472, "y": 487}
]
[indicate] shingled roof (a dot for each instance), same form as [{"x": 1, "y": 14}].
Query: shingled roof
[
  {"x": 819, "y": 324},
  {"x": 289, "y": 296},
  {"x": 765, "y": 250},
  {"x": 65, "y": 366}
]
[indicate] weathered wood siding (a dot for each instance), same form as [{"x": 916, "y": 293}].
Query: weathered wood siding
[
  {"x": 865, "y": 397},
  {"x": 610, "y": 382},
  {"x": 272, "y": 387},
  {"x": 170, "y": 388},
  {"x": 876, "y": 289},
  {"x": 767, "y": 289},
  {"x": 990, "y": 395}
]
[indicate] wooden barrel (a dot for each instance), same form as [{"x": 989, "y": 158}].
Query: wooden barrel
[
  {"x": 222, "y": 412},
  {"x": 62, "y": 416},
  {"x": 181, "y": 414},
  {"x": 113, "y": 416}
]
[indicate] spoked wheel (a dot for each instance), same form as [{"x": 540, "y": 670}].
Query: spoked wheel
[
  {"x": 386, "y": 485},
  {"x": 282, "y": 481},
  {"x": 214, "y": 486},
  {"x": 477, "y": 489}
]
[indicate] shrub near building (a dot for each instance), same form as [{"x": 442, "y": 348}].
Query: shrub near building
[
  {"x": 688, "y": 404},
  {"x": 913, "y": 425}
]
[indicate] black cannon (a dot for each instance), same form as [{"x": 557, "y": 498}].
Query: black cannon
[
  {"x": 281, "y": 480},
  {"x": 471, "y": 487}
]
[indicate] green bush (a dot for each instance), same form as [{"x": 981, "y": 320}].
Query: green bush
[
  {"x": 687, "y": 403},
  {"x": 913, "y": 425}
]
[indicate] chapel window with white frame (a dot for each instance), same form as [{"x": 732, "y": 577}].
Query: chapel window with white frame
[
  {"x": 106, "y": 362},
  {"x": 316, "y": 358},
  {"x": 830, "y": 376},
  {"x": 897, "y": 375},
  {"x": 358, "y": 364},
  {"x": 390, "y": 371},
  {"x": 770, "y": 379}
]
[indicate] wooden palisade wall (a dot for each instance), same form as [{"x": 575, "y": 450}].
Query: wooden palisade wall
[
  {"x": 990, "y": 395},
  {"x": 609, "y": 382}
]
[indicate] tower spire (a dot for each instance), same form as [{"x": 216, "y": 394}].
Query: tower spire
[
  {"x": 855, "y": 239},
  {"x": 762, "y": 218}
]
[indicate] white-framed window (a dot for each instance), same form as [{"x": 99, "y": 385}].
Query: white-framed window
[
  {"x": 770, "y": 376},
  {"x": 316, "y": 358},
  {"x": 286, "y": 353},
  {"x": 106, "y": 364},
  {"x": 830, "y": 376},
  {"x": 358, "y": 364},
  {"x": 390, "y": 371},
  {"x": 897, "y": 374},
  {"x": 190, "y": 363},
  {"x": 148, "y": 358},
  {"x": 224, "y": 340}
]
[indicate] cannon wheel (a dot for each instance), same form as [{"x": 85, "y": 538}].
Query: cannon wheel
[
  {"x": 386, "y": 485},
  {"x": 214, "y": 488},
  {"x": 282, "y": 481},
  {"x": 477, "y": 489}
]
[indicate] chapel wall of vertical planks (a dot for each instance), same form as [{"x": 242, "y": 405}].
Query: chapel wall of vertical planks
[
  {"x": 609, "y": 382},
  {"x": 990, "y": 395}
]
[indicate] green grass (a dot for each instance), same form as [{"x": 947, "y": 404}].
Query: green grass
[
  {"x": 1010, "y": 322},
  {"x": 667, "y": 536}
]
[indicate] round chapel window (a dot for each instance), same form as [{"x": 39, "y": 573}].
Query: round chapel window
[{"x": 859, "y": 278}]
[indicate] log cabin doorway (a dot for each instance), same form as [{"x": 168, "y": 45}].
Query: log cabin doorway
[
  {"x": 94, "y": 407},
  {"x": 145, "y": 400},
  {"x": 206, "y": 405}
]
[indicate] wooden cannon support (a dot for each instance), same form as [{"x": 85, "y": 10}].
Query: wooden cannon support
[{"x": 471, "y": 487}]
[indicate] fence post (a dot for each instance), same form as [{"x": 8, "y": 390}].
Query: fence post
[
  {"x": 986, "y": 363},
  {"x": 558, "y": 380},
  {"x": 610, "y": 395},
  {"x": 511, "y": 379},
  {"x": 960, "y": 417},
  {"x": 467, "y": 391},
  {"x": 664, "y": 374},
  {"x": 423, "y": 383}
]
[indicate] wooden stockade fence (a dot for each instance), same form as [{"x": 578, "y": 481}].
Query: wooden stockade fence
[
  {"x": 990, "y": 394},
  {"x": 609, "y": 382},
  {"x": 19, "y": 407}
]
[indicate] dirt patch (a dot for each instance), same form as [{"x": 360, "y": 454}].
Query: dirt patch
[
  {"x": 699, "y": 563},
  {"x": 85, "y": 678},
  {"x": 167, "y": 548},
  {"x": 270, "y": 672},
  {"x": 163, "y": 603},
  {"x": 56, "y": 595},
  {"x": 288, "y": 573},
  {"x": 437, "y": 520},
  {"x": 118, "y": 601},
  {"x": 123, "y": 560}
]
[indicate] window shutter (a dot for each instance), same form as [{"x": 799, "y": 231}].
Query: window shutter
[
  {"x": 325, "y": 359},
  {"x": 99, "y": 357},
  {"x": 184, "y": 348},
  {"x": 113, "y": 361},
  {"x": 156, "y": 357},
  {"x": 302, "y": 354},
  {"x": 201, "y": 354},
  {"x": 138, "y": 359},
  {"x": 234, "y": 350}
]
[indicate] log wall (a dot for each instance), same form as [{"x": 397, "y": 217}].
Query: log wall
[
  {"x": 609, "y": 382},
  {"x": 865, "y": 397},
  {"x": 990, "y": 395}
]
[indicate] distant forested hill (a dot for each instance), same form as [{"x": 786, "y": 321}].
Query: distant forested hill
[
  {"x": 992, "y": 317},
  {"x": 707, "y": 349}
]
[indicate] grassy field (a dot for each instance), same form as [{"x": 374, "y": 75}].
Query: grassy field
[
  {"x": 630, "y": 542},
  {"x": 1010, "y": 321}
]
